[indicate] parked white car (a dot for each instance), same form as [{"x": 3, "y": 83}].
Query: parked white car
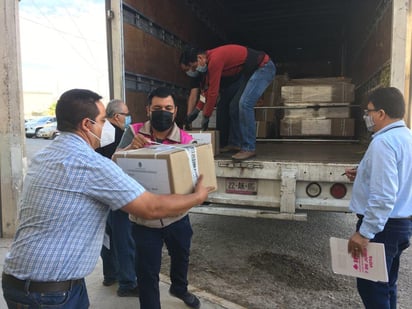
[
  {"x": 49, "y": 131},
  {"x": 32, "y": 127}
]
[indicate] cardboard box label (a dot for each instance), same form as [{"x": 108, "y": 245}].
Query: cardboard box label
[
  {"x": 194, "y": 165},
  {"x": 153, "y": 175}
]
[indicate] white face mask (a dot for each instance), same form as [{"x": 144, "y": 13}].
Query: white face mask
[
  {"x": 202, "y": 68},
  {"x": 192, "y": 73},
  {"x": 369, "y": 122},
  {"x": 108, "y": 134},
  {"x": 94, "y": 135}
]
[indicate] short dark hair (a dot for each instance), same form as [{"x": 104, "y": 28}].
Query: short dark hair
[
  {"x": 73, "y": 106},
  {"x": 161, "y": 92},
  {"x": 390, "y": 99},
  {"x": 189, "y": 55}
]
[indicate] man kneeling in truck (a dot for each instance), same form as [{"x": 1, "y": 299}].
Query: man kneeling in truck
[{"x": 257, "y": 73}]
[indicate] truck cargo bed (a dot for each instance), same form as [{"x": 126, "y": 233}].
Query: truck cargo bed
[{"x": 309, "y": 152}]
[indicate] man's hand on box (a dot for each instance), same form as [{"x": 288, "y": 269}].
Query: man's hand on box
[
  {"x": 201, "y": 190},
  {"x": 139, "y": 141}
]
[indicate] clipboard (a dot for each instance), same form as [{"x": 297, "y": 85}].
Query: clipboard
[{"x": 372, "y": 266}]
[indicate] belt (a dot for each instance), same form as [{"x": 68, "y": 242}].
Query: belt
[
  {"x": 406, "y": 218},
  {"x": 39, "y": 286}
]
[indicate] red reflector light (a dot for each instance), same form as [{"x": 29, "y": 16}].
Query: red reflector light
[{"x": 338, "y": 190}]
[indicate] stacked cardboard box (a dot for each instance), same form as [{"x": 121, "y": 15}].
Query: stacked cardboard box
[
  {"x": 207, "y": 137},
  {"x": 334, "y": 92},
  {"x": 318, "y": 107},
  {"x": 321, "y": 110},
  {"x": 333, "y": 127}
]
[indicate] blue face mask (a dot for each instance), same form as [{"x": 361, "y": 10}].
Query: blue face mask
[
  {"x": 127, "y": 121},
  {"x": 202, "y": 68},
  {"x": 192, "y": 73}
]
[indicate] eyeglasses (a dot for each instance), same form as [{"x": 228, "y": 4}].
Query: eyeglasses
[
  {"x": 124, "y": 114},
  {"x": 366, "y": 111}
]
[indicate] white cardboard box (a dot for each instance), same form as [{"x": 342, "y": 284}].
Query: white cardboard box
[
  {"x": 207, "y": 137},
  {"x": 165, "y": 169},
  {"x": 337, "y": 92},
  {"x": 317, "y": 127},
  {"x": 321, "y": 110}
]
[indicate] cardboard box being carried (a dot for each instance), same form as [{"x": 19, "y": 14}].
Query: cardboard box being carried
[
  {"x": 207, "y": 137},
  {"x": 165, "y": 169}
]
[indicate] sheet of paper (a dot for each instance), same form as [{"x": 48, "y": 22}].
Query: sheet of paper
[{"x": 372, "y": 266}]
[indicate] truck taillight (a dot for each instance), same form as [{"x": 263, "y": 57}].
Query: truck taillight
[
  {"x": 338, "y": 190},
  {"x": 313, "y": 189}
]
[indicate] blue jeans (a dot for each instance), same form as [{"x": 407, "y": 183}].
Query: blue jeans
[
  {"x": 75, "y": 298},
  {"x": 242, "y": 112},
  {"x": 149, "y": 242},
  {"x": 383, "y": 295},
  {"x": 119, "y": 261}
]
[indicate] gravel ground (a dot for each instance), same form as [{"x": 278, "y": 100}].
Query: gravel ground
[
  {"x": 261, "y": 263},
  {"x": 267, "y": 264}
]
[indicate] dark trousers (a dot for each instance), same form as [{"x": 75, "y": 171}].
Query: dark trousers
[
  {"x": 149, "y": 243},
  {"x": 395, "y": 236},
  {"x": 74, "y": 298},
  {"x": 119, "y": 261},
  {"x": 227, "y": 94}
]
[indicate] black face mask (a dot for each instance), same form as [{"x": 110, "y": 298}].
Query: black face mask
[{"x": 161, "y": 120}]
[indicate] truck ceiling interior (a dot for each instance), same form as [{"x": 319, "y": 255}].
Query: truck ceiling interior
[{"x": 297, "y": 32}]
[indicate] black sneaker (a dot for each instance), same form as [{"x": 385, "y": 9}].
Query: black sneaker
[
  {"x": 188, "y": 298},
  {"x": 129, "y": 292},
  {"x": 109, "y": 282}
]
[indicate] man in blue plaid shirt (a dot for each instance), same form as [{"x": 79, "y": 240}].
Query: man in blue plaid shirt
[{"x": 67, "y": 194}]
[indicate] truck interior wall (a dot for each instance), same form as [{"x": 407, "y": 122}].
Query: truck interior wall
[
  {"x": 146, "y": 55},
  {"x": 369, "y": 44},
  {"x": 155, "y": 58},
  {"x": 191, "y": 21},
  {"x": 368, "y": 58}
]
